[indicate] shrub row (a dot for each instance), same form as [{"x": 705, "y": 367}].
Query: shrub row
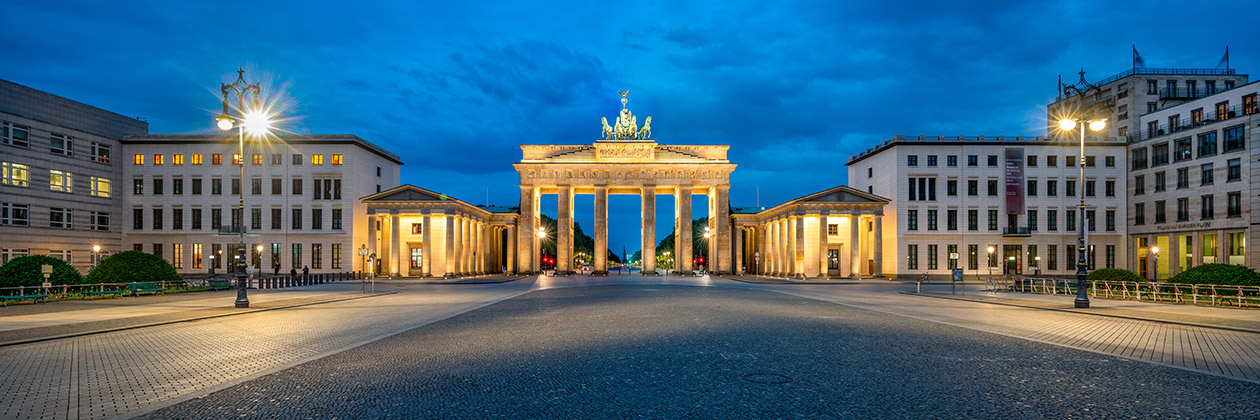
[{"x": 123, "y": 267}]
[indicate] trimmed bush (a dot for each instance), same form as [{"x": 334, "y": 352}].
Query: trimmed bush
[
  {"x": 25, "y": 271},
  {"x": 1113, "y": 274},
  {"x": 1219, "y": 274},
  {"x": 132, "y": 266}
]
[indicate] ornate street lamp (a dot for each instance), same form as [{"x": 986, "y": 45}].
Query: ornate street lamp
[
  {"x": 253, "y": 119},
  {"x": 1068, "y": 124}
]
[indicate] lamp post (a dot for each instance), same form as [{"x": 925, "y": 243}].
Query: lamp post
[
  {"x": 1155, "y": 269},
  {"x": 1068, "y": 124},
  {"x": 96, "y": 250},
  {"x": 988, "y": 263},
  {"x": 542, "y": 234},
  {"x": 1037, "y": 267},
  {"x": 257, "y": 122}
]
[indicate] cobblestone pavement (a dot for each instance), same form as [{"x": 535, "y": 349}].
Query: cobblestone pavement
[
  {"x": 655, "y": 351},
  {"x": 117, "y": 373},
  {"x": 135, "y": 371}
]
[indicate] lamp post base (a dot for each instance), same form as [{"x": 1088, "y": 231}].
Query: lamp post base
[{"x": 1081, "y": 304}]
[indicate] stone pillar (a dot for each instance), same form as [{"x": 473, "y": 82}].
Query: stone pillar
[
  {"x": 740, "y": 247},
  {"x": 564, "y": 229},
  {"x": 395, "y": 247},
  {"x": 879, "y": 246},
  {"x": 458, "y": 247},
  {"x": 525, "y": 233},
  {"x": 510, "y": 251},
  {"x": 648, "y": 204},
  {"x": 822, "y": 243},
  {"x": 799, "y": 256},
  {"x": 426, "y": 260},
  {"x": 600, "y": 259},
  {"x": 682, "y": 230},
  {"x": 371, "y": 226},
  {"x": 1174, "y": 254},
  {"x": 449, "y": 269},
  {"x": 710, "y": 260},
  {"x": 855, "y": 248},
  {"x": 723, "y": 234}
]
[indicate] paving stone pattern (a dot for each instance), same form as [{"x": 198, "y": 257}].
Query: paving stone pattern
[
  {"x": 684, "y": 352},
  {"x": 109, "y": 374}
]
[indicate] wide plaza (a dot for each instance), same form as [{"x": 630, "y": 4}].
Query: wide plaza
[{"x": 627, "y": 346}]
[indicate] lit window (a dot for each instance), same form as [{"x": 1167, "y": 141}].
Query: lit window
[
  {"x": 137, "y": 159},
  {"x": 60, "y": 181},
  {"x": 177, "y": 159},
  {"x": 61, "y": 144},
  {"x": 216, "y": 159},
  {"x": 196, "y": 158},
  {"x": 15, "y": 135},
  {"x": 157, "y": 159},
  {"x": 16, "y": 174},
  {"x": 100, "y": 187},
  {"x": 336, "y": 159},
  {"x": 100, "y": 152},
  {"x": 236, "y": 159},
  {"x": 317, "y": 159},
  {"x": 257, "y": 159}
]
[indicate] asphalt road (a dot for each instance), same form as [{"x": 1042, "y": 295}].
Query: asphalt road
[{"x": 662, "y": 351}]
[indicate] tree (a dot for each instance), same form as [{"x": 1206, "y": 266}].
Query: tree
[
  {"x": 26, "y": 271},
  {"x": 699, "y": 245},
  {"x": 132, "y": 266}
]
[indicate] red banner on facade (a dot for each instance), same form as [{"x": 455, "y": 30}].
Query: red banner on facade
[{"x": 1014, "y": 180}]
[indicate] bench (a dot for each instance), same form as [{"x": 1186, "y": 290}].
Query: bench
[
  {"x": 137, "y": 288},
  {"x": 219, "y": 284},
  {"x": 4, "y": 300},
  {"x": 106, "y": 293}
]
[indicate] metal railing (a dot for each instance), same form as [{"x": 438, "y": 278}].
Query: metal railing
[
  {"x": 87, "y": 291},
  {"x": 1194, "y": 294},
  {"x": 1143, "y": 70},
  {"x": 1187, "y": 122}
]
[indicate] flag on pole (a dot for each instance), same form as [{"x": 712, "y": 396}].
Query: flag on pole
[
  {"x": 1224, "y": 60},
  {"x": 1137, "y": 59}
]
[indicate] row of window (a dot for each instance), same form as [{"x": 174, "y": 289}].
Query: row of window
[
  {"x": 924, "y": 188},
  {"x": 992, "y": 161},
  {"x": 18, "y": 135},
  {"x": 1207, "y": 176},
  {"x": 217, "y": 159},
  {"x": 196, "y": 219},
  {"x": 17, "y": 214},
  {"x": 1207, "y": 208},
  {"x": 1198, "y": 117},
  {"x": 19, "y": 175},
  {"x": 1031, "y": 257},
  {"x": 1031, "y": 219},
  {"x": 324, "y": 189},
  {"x": 1233, "y": 139},
  {"x": 218, "y": 254},
  {"x": 1192, "y": 88}
]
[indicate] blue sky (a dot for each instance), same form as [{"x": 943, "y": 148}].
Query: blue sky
[{"x": 454, "y": 87}]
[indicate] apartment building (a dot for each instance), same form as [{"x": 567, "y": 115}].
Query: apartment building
[
  {"x": 954, "y": 198},
  {"x": 1191, "y": 184},
  {"x": 61, "y": 165},
  {"x": 301, "y": 192}
]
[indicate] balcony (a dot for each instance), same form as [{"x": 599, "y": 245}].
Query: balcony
[
  {"x": 231, "y": 230},
  {"x": 1016, "y": 231},
  {"x": 1181, "y": 94}
]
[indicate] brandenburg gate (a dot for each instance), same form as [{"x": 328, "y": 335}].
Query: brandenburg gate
[{"x": 625, "y": 161}]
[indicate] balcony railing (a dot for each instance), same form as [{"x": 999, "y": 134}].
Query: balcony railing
[
  {"x": 1182, "y": 93},
  {"x": 231, "y": 230},
  {"x": 1016, "y": 231},
  {"x": 1188, "y": 123}
]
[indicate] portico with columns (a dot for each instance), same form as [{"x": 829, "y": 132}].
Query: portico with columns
[
  {"x": 414, "y": 232},
  {"x": 831, "y": 234}
]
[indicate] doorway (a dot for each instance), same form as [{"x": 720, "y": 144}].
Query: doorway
[
  {"x": 833, "y": 262},
  {"x": 1011, "y": 260}
]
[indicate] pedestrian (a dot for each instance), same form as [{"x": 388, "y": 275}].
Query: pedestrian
[
  {"x": 305, "y": 271},
  {"x": 293, "y": 272},
  {"x": 277, "y": 269}
]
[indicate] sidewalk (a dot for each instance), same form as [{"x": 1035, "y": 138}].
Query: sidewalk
[
  {"x": 70, "y": 318},
  {"x": 758, "y": 279},
  {"x": 1238, "y": 319}
]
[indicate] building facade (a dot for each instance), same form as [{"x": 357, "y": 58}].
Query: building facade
[
  {"x": 829, "y": 234},
  {"x": 61, "y": 164},
  {"x": 1191, "y": 184},
  {"x": 302, "y": 199},
  {"x": 952, "y": 199}
]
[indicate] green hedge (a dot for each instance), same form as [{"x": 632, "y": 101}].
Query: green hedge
[
  {"x": 1219, "y": 274},
  {"x": 132, "y": 266},
  {"x": 1113, "y": 274},
  {"x": 25, "y": 271}
]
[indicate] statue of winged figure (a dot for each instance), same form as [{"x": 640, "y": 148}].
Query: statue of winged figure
[{"x": 626, "y": 127}]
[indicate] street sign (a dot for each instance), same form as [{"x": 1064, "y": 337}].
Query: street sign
[
  {"x": 953, "y": 255},
  {"x": 757, "y": 254},
  {"x": 958, "y": 274}
]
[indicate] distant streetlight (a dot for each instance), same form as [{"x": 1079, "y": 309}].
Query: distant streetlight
[
  {"x": 1155, "y": 269},
  {"x": 96, "y": 257},
  {"x": 1068, "y": 124}
]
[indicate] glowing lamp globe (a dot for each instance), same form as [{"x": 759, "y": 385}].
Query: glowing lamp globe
[
  {"x": 1067, "y": 124},
  {"x": 1098, "y": 125},
  {"x": 225, "y": 124}
]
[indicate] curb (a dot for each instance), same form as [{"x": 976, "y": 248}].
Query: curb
[
  {"x": 176, "y": 321},
  {"x": 1135, "y": 318}
]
